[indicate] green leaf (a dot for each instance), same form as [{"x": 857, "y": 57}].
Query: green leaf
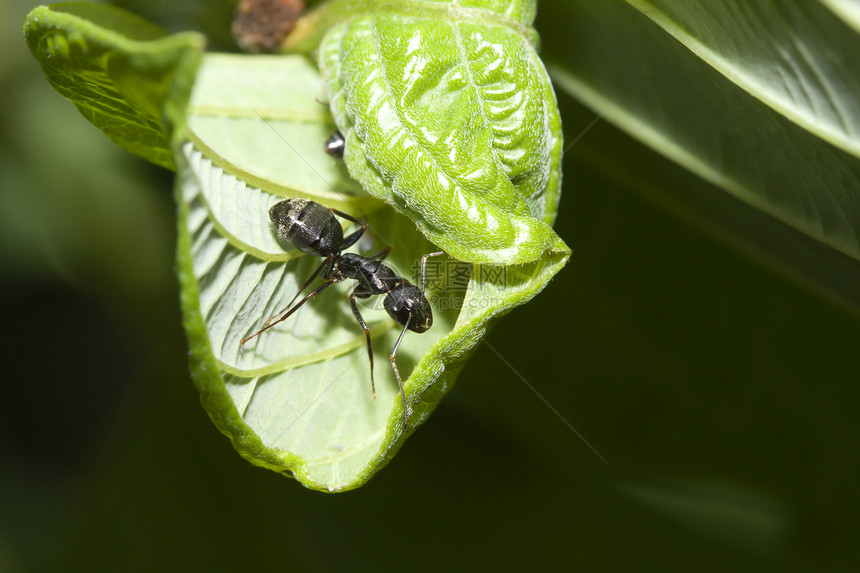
[
  {"x": 635, "y": 75},
  {"x": 847, "y": 10},
  {"x": 794, "y": 56},
  {"x": 120, "y": 71},
  {"x": 450, "y": 117},
  {"x": 297, "y": 399},
  {"x": 756, "y": 235}
]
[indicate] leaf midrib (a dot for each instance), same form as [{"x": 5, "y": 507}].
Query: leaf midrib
[{"x": 377, "y": 329}]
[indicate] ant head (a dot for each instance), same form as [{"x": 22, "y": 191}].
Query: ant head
[{"x": 406, "y": 301}]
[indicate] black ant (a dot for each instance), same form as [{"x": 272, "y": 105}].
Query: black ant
[{"x": 312, "y": 228}]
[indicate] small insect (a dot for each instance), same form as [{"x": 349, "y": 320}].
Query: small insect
[
  {"x": 312, "y": 228},
  {"x": 335, "y": 144}
]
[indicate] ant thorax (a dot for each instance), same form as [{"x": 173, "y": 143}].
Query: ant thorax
[{"x": 374, "y": 276}]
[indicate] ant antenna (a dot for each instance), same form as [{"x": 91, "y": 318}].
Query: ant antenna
[
  {"x": 424, "y": 266},
  {"x": 391, "y": 358}
]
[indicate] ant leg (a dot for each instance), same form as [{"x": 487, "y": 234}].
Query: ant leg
[
  {"x": 348, "y": 217},
  {"x": 363, "y": 325},
  {"x": 301, "y": 289},
  {"x": 350, "y": 240},
  {"x": 380, "y": 256},
  {"x": 424, "y": 266},
  {"x": 287, "y": 313},
  {"x": 397, "y": 372}
]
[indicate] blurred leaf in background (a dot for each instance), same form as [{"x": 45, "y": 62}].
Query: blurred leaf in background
[{"x": 705, "y": 348}]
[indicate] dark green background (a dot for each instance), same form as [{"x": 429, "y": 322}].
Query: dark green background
[{"x": 723, "y": 395}]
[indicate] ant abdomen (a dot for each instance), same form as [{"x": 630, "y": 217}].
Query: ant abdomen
[{"x": 307, "y": 225}]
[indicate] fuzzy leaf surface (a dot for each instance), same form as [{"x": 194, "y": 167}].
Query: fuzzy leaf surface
[{"x": 450, "y": 117}]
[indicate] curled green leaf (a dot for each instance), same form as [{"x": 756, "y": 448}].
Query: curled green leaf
[
  {"x": 450, "y": 117},
  {"x": 297, "y": 400},
  {"x": 121, "y": 71}
]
